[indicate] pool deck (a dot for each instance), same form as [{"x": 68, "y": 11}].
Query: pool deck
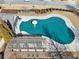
[{"x": 73, "y": 18}]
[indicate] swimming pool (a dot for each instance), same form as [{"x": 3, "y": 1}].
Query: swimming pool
[{"x": 53, "y": 27}]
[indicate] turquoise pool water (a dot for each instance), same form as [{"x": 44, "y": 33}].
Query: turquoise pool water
[{"x": 54, "y": 27}]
